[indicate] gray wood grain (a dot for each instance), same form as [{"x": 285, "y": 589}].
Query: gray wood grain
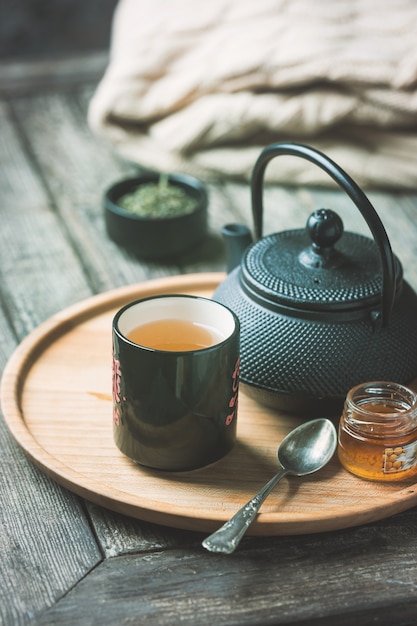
[
  {"x": 46, "y": 543},
  {"x": 119, "y": 534},
  {"x": 35, "y": 253},
  {"x": 269, "y": 581}
]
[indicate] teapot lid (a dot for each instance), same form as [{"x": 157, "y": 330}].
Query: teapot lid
[{"x": 316, "y": 269}]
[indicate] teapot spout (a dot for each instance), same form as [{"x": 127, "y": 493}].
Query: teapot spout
[{"x": 237, "y": 238}]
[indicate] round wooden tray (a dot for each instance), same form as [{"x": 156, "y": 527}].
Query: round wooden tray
[{"x": 56, "y": 398}]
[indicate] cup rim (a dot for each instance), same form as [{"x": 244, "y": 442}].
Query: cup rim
[{"x": 235, "y": 320}]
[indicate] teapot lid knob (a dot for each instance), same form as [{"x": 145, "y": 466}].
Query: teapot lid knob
[{"x": 325, "y": 228}]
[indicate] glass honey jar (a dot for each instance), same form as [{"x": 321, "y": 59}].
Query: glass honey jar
[{"x": 378, "y": 432}]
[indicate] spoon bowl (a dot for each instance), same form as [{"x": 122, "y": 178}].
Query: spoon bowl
[
  {"x": 308, "y": 448},
  {"x": 305, "y": 450}
]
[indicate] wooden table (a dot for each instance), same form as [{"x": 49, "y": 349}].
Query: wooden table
[{"x": 64, "y": 560}]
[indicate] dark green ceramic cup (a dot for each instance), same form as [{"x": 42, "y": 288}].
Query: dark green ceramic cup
[{"x": 175, "y": 409}]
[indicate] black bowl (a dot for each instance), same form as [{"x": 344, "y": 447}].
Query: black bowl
[{"x": 156, "y": 238}]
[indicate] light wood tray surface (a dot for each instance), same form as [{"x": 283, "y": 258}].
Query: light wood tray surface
[{"x": 56, "y": 398}]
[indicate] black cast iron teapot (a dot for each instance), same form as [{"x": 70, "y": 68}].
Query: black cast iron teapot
[{"x": 321, "y": 310}]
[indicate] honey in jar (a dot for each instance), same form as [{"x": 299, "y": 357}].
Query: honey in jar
[{"x": 378, "y": 432}]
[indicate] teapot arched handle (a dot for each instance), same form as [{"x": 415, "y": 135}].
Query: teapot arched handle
[{"x": 354, "y": 192}]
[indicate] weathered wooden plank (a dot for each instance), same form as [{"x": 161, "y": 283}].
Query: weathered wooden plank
[
  {"x": 23, "y": 76},
  {"x": 119, "y": 534},
  {"x": 77, "y": 170},
  {"x": 342, "y": 577},
  {"x": 36, "y": 259},
  {"x": 46, "y": 544}
]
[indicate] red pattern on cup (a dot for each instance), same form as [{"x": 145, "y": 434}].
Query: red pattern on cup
[
  {"x": 117, "y": 375},
  {"x": 234, "y": 399}
]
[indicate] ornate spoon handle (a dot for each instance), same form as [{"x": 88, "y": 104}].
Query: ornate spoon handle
[{"x": 227, "y": 538}]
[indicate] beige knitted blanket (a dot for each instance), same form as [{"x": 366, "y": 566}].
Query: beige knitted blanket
[{"x": 202, "y": 86}]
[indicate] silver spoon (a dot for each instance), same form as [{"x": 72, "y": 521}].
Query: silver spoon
[{"x": 304, "y": 450}]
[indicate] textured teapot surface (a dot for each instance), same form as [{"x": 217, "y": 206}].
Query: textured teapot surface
[
  {"x": 321, "y": 310},
  {"x": 303, "y": 365}
]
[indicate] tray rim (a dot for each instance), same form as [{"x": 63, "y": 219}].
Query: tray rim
[{"x": 87, "y": 487}]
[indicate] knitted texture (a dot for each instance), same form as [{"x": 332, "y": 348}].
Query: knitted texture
[{"x": 202, "y": 86}]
